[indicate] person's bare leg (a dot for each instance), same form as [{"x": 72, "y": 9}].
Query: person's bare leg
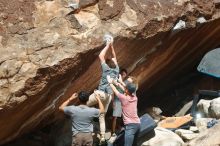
[
  {"x": 102, "y": 126},
  {"x": 114, "y": 122}
]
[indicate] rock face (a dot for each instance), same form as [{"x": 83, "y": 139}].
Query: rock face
[{"x": 48, "y": 52}]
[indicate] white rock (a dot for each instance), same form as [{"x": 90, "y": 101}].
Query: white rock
[
  {"x": 186, "y": 134},
  {"x": 209, "y": 137},
  {"x": 180, "y": 25},
  {"x": 203, "y": 107},
  {"x": 164, "y": 137},
  {"x": 193, "y": 128},
  {"x": 154, "y": 112},
  {"x": 201, "y": 20},
  {"x": 201, "y": 123},
  {"x": 214, "y": 109}
]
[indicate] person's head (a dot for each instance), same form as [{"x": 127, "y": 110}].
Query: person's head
[
  {"x": 133, "y": 80},
  {"x": 123, "y": 73},
  {"x": 83, "y": 97},
  {"x": 110, "y": 63},
  {"x": 130, "y": 88}
]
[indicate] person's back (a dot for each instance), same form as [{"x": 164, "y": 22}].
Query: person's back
[
  {"x": 81, "y": 117},
  {"x": 112, "y": 71},
  {"x": 129, "y": 108}
]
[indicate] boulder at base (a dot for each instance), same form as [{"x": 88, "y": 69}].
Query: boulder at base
[
  {"x": 164, "y": 137},
  {"x": 210, "y": 137}
]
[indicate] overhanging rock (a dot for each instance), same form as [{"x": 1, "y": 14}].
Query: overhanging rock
[{"x": 48, "y": 53}]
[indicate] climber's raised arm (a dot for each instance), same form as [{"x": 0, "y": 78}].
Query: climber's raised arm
[{"x": 103, "y": 52}]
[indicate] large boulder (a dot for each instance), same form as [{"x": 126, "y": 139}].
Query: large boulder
[
  {"x": 164, "y": 137},
  {"x": 48, "y": 52}
]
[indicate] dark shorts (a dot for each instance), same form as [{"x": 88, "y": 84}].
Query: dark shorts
[{"x": 82, "y": 139}]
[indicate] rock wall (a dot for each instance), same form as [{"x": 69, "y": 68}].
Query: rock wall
[{"x": 48, "y": 52}]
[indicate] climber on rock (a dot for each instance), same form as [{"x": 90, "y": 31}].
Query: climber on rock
[
  {"x": 109, "y": 67},
  {"x": 81, "y": 118}
]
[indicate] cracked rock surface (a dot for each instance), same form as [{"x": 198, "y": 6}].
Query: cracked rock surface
[{"x": 48, "y": 52}]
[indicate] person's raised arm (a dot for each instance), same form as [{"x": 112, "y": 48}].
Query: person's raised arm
[
  {"x": 113, "y": 51},
  {"x": 65, "y": 103},
  {"x": 118, "y": 84},
  {"x": 114, "y": 54},
  {"x": 101, "y": 107},
  {"x": 114, "y": 89},
  {"x": 103, "y": 52}
]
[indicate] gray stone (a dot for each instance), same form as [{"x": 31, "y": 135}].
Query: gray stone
[
  {"x": 186, "y": 134},
  {"x": 164, "y": 137},
  {"x": 203, "y": 107},
  {"x": 214, "y": 109},
  {"x": 184, "y": 109},
  {"x": 201, "y": 123},
  {"x": 193, "y": 129},
  {"x": 209, "y": 137},
  {"x": 154, "y": 112}
]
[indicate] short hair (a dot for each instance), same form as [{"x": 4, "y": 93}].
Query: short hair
[
  {"x": 131, "y": 87},
  {"x": 134, "y": 81},
  {"x": 83, "y": 96},
  {"x": 110, "y": 63},
  {"x": 123, "y": 70}
]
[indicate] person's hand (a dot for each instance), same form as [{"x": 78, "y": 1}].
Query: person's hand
[
  {"x": 120, "y": 78},
  {"x": 114, "y": 60},
  {"x": 108, "y": 43},
  {"x": 109, "y": 79},
  {"x": 97, "y": 95},
  {"x": 111, "y": 43},
  {"x": 74, "y": 96},
  {"x": 115, "y": 82}
]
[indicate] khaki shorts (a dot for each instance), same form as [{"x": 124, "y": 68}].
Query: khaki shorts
[
  {"x": 82, "y": 139},
  {"x": 104, "y": 97}
]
